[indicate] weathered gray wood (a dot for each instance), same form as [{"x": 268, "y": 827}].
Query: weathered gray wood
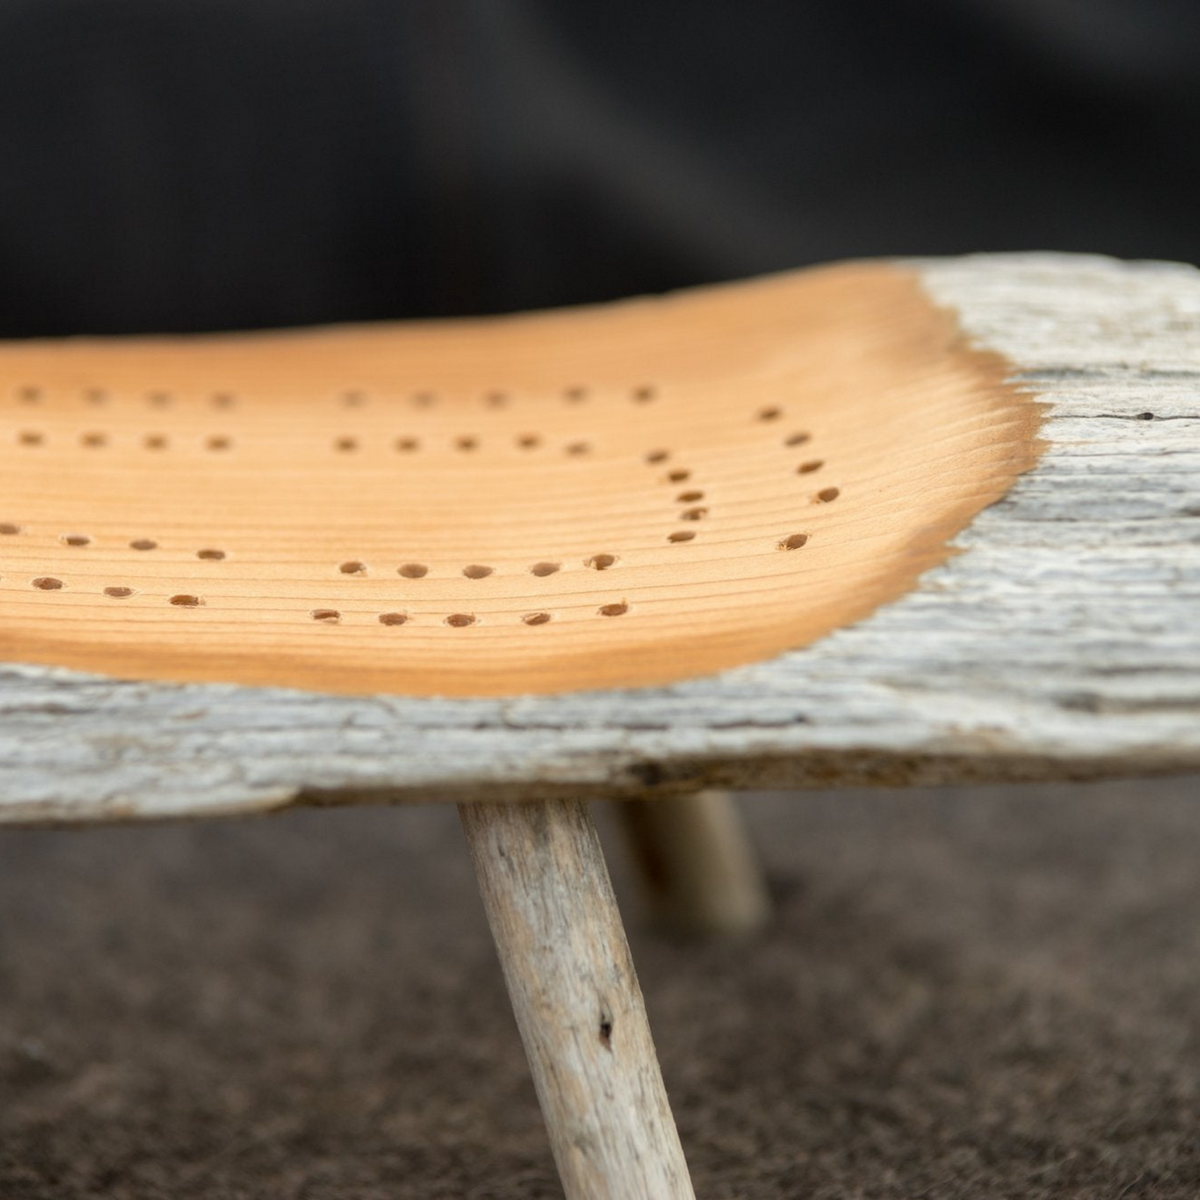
[
  {"x": 699, "y": 873},
  {"x": 577, "y": 1001},
  {"x": 1062, "y": 641}
]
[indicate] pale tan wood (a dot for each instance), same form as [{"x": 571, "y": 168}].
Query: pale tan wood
[
  {"x": 620, "y": 495},
  {"x": 698, "y": 870},
  {"x": 577, "y": 1000}
]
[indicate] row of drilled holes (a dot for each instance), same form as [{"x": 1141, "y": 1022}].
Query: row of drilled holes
[
  {"x": 346, "y": 443},
  {"x": 461, "y": 620},
  {"x": 343, "y": 444},
  {"x": 642, "y": 394},
  {"x": 49, "y": 583},
  {"x": 598, "y": 562}
]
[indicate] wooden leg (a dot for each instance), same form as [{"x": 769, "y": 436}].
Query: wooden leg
[
  {"x": 698, "y": 868},
  {"x": 576, "y": 996}
]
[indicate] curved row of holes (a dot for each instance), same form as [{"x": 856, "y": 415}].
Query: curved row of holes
[
  {"x": 412, "y": 570},
  {"x": 351, "y": 398},
  {"x": 598, "y": 562}
]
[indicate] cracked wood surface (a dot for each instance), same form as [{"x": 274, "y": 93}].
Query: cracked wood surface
[{"x": 1062, "y": 641}]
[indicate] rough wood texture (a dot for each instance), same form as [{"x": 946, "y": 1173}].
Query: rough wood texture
[
  {"x": 577, "y": 1001},
  {"x": 1062, "y": 640},
  {"x": 697, "y": 868}
]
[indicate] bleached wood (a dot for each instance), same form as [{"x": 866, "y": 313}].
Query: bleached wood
[
  {"x": 698, "y": 870},
  {"x": 1061, "y": 642},
  {"x": 576, "y": 998}
]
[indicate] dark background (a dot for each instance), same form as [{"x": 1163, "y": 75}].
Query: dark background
[
  {"x": 962, "y": 993},
  {"x": 199, "y": 164}
]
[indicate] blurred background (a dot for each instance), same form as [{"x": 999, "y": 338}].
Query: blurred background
[
  {"x": 963, "y": 993},
  {"x": 206, "y": 164}
]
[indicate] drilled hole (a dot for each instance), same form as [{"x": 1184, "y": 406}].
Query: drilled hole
[
  {"x": 159, "y": 399},
  {"x": 681, "y": 535},
  {"x": 353, "y": 567},
  {"x": 219, "y": 441},
  {"x": 424, "y": 399},
  {"x": 536, "y": 618},
  {"x": 793, "y": 541},
  {"x": 827, "y": 494},
  {"x": 155, "y": 441},
  {"x": 345, "y": 444},
  {"x": 459, "y": 620},
  {"x": 807, "y": 468},
  {"x": 328, "y": 615},
  {"x": 75, "y": 539},
  {"x": 770, "y": 413},
  {"x": 575, "y": 394},
  {"x": 353, "y": 399},
  {"x": 223, "y": 400},
  {"x": 93, "y": 440},
  {"x": 143, "y": 544},
  {"x": 408, "y": 444},
  {"x": 118, "y": 593},
  {"x": 796, "y": 439},
  {"x": 694, "y": 514},
  {"x": 689, "y": 497},
  {"x": 30, "y": 437},
  {"x": 679, "y": 475},
  {"x": 47, "y": 583},
  {"x": 29, "y": 394},
  {"x": 211, "y": 555},
  {"x": 644, "y": 394},
  {"x": 529, "y": 441},
  {"x": 477, "y": 571},
  {"x": 657, "y": 456},
  {"x": 183, "y": 600},
  {"x": 467, "y": 442},
  {"x": 95, "y": 396},
  {"x": 540, "y": 569},
  {"x": 495, "y": 399},
  {"x": 600, "y": 562},
  {"x": 578, "y": 448},
  {"x": 613, "y": 610},
  {"x": 7, "y": 527},
  {"x": 393, "y": 618},
  {"x": 413, "y": 570}
]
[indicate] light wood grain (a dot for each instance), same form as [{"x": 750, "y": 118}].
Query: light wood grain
[
  {"x": 577, "y": 1001},
  {"x": 1060, "y": 641},
  {"x": 670, "y": 486}
]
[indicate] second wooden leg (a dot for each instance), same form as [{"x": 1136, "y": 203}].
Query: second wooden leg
[{"x": 698, "y": 869}]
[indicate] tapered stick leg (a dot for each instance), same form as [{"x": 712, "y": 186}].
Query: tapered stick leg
[
  {"x": 698, "y": 868},
  {"x": 577, "y": 1001}
]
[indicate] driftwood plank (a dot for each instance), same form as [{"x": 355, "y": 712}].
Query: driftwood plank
[{"x": 1062, "y": 641}]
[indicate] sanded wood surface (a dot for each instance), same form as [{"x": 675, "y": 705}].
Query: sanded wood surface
[
  {"x": 614, "y": 495},
  {"x": 1060, "y": 641},
  {"x": 577, "y": 1001}
]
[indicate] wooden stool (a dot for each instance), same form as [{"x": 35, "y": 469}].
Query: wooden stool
[{"x": 895, "y": 522}]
